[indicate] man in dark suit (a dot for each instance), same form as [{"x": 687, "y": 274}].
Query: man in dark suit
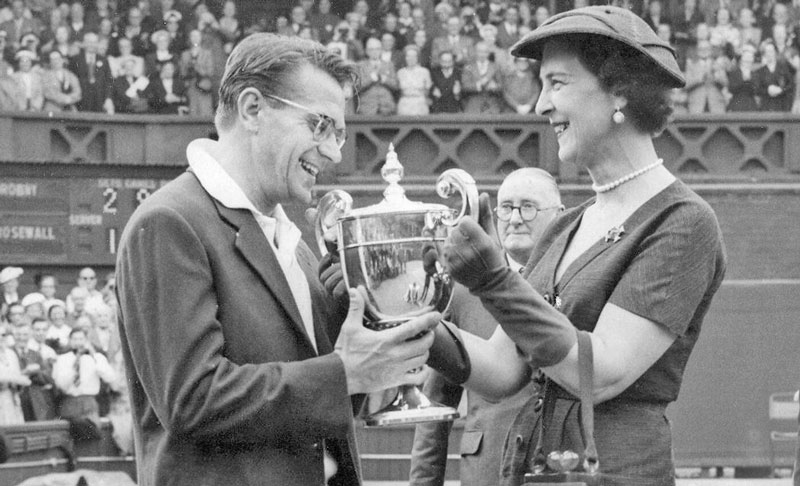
[
  {"x": 226, "y": 330},
  {"x": 446, "y": 90},
  {"x": 519, "y": 227},
  {"x": 94, "y": 76},
  {"x": 508, "y": 30}
]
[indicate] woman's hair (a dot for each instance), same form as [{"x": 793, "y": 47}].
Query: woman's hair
[
  {"x": 267, "y": 62},
  {"x": 626, "y": 72}
]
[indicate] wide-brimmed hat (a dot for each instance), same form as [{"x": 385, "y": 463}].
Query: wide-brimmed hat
[
  {"x": 616, "y": 23},
  {"x": 33, "y": 298},
  {"x": 10, "y": 273}
]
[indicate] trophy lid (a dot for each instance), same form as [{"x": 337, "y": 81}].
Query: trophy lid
[{"x": 394, "y": 196}]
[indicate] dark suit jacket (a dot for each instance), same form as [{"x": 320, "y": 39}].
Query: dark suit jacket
[
  {"x": 504, "y": 39},
  {"x": 448, "y": 102},
  {"x": 94, "y": 94},
  {"x": 486, "y": 423},
  {"x": 156, "y": 94},
  {"x": 226, "y": 388}
]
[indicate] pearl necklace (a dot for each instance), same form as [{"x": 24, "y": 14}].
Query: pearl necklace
[{"x": 625, "y": 178}]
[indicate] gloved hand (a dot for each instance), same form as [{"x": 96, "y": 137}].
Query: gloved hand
[{"x": 471, "y": 255}]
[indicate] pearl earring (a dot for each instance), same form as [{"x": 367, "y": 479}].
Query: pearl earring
[{"x": 618, "y": 116}]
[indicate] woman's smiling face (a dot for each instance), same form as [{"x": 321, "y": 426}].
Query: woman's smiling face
[{"x": 572, "y": 98}]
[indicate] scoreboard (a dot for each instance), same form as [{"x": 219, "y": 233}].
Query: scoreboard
[{"x": 67, "y": 220}]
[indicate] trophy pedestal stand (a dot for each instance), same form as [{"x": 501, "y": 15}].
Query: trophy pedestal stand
[{"x": 409, "y": 407}]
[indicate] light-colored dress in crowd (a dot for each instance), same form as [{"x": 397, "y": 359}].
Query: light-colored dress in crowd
[{"x": 415, "y": 83}]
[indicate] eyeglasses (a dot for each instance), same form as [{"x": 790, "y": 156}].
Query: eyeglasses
[
  {"x": 323, "y": 125},
  {"x": 527, "y": 211},
  {"x": 88, "y": 278}
]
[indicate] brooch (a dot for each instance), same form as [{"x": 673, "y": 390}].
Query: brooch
[{"x": 614, "y": 234}]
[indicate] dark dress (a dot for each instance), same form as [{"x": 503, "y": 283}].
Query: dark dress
[
  {"x": 743, "y": 92},
  {"x": 448, "y": 102},
  {"x": 666, "y": 267},
  {"x": 782, "y": 76}
]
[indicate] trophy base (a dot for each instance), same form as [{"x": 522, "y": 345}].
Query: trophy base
[{"x": 410, "y": 407}]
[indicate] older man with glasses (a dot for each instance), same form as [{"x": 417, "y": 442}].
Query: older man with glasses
[{"x": 227, "y": 332}]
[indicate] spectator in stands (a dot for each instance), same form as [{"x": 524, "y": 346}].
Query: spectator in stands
[
  {"x": 103, "y": 334},
  {"x": 61, "y": 43},
  {"x": 420, "y": 21},
  {"x": 298, "y": 21},
  {"x": 197, "y": 71},
  {"x": 741, "y": 83},
  {"x": 461, "y": 46},
  {"x": 34, "y": 306},
  {"x": 446, "y": 85},
  {"x": 30, "y": 42},
  {"x": 521, "y": 87},
  {"x": 508, "y": 29},
  {"x": 481, "y": 83},
  {"x": 324, "y": 21},
  {"x": 345, "y": 41},
  {"x": 655, "y": 15},
  {"x": 76, "y": 304},
  {"x": 98, "y": 12},
  {"x": 19, "y": 24},
  {"x": 774, "y": 80},
  {"x": 166, "y": 92},
  {"x": 748, "y": 32},
  {"x": 705, "y": 80},
  {"x": 415, "y": 83},
  {"x": 390, "y": 26},
  {"x": 77, "y": 26},
  {"x": 541, "y": 14},
  {"x": 55, "y": 20},
  {"x": 58, "y": 332},
  {"x": 212, "y": 39},
  {"x": 29, "y": 79},
  {"x": 378, "y": 80},
  {"x": 9, "y": 281},
  {"x": 133, "y": 30},
  {"x": 498, "y": 55},
  {"x": 38, "y": 341},
  {"x": 94, "y": 75},
  {"x": 229, "y": 28},
  {"x": 534, "y": 192},
  {"x": 6, "y": 55},
  {"x": 161, "y": 53},
  {"x": 724, "y": 36},
  {"x": 389, "y": 52},
  {"x": 173, "y": 25},
  {"x": 471, "y": 23},
  {"x": 684, "y": 27},
  {"x": 77, "y": 375},
  {"x": 125, "y": 51},
  {"x": 33, "y": 398},
  {"x": 11, "y": 380},
  {"x": 87, "y": 279},
  {"x": 48, "y": 286},
  {"x": 61, "y": 88},
  {"x": 15, "y": 314},
  {"x": 127, "y": 88}
]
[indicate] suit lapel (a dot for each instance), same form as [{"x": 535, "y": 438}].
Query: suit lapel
[
  {"x": 318, "y": 298},
  {"x": 254, "y": 248}
]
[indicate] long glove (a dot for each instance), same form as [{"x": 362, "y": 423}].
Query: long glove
[
  {"x": 473, "y": 259},
  {"x": 448, "y": 355}
]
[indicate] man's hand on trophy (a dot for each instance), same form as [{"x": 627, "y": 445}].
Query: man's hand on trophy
[
  {"x": 486, "y": 219},
  {"x": 377, "y": 360},
  {"x": 330, "y": 274},
  {"x": 471, "y": 257}
]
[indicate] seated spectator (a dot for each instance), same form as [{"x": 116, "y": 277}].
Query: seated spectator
[
  {"x": 471, "y": 23},
  {"x": 94, "y": 76},
  {"x": 655, "y": 15},
  {"x": 61, "y": 43},
  {"x": 780, "y": 37},
  {"x": 166, "y": 92},
  {"x": 725, "y": 37},
  {"x": 501, "y": 57},
  {"x": 446, "y": 85},
  {"x": 58, "y": 332},
  {"x": 741, "y": 83},
  {"x": 38, "y": 341},
  {"x": 442, "y": 13},
  {"x": 77, "y": 300},
  {"x": 61, "y": 88},
  {"x": 15, "y": 314},
  {"x": 11, "y": 381},
  {"x": 125, "y": 51},
  {"x": 34, "y": 305},
  {"x": 419, "y": 22},
  {"x": 774, "y": 80},
  {"x": 481, "y": 83},
  {"x": 389, "y": 52},
  {"x": 101, "y": 11},
  {"x": 540, "y": 15},
  {"x": 127, "y": 89},
  {"x": 87, "y": 278},
  {"x": 664, "y": 32},
  {"x": 298, "y": 21},
  {"x": 133, "y": 30},
  {"x": 77, "y": 375},
  {"x": 748, "y": 32},
  {"x": 390, "y": 26},
  {"x": 104, "y": 338},
  {"x": 36, "y": 399},
  {"x": 229, "y": 28},
  {"x": 415, "y": 83},
  {"x": 420, "y": 40},
  {"x": 461, "y": 46},
  {"x": 508, "y": 30},
  {"x": 175, "y": 32},
  {"x": 48, "y": 286},
  {"x": 9, "y": 282},
  {"x": 323, "y": 21},
  {"x": 77, "y": 25},
  {"x": 683, "y": 30},
  {"x": 521, "y": 87},
  {"x": 6, "y": 54},
  {"x": 30, "y": 42},
  {"x": 161, "y": 53},
  {"x": 705, "y": 81},
  {"x": 55, "y": 20},
  {"x": 197, "y": 71},
  {"x": 378, "y": 80},
  {"x": 405, "y": 22},
  {"x": 20, "y": 24},
  {"x": 29, "y": 79}
]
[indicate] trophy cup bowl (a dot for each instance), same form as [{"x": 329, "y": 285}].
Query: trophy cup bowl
[{"x": 392, "y": 249}]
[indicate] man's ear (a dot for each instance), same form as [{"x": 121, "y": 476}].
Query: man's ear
[{"x": 249, "y": 104}]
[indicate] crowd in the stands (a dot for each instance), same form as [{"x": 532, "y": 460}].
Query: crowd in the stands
[{"x": 415, "y": 56}]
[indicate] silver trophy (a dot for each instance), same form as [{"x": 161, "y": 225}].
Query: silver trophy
[{"x": 392, "y": 249}]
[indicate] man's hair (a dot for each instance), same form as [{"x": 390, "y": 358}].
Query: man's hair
[
  {"x": 37, "y": 320},
  {"x": 77, "y": 330},
  {"x": 267, "y": 62},
  {"x": 537, "y": 173}
]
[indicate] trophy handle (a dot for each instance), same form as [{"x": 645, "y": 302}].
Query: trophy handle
[
  {"x": 453, "y": 180},
  {"x": 332, "y": 206}
]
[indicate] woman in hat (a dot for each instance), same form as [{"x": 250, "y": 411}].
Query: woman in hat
[
  {"x": 29, "y": 79},
  {"x": 633, "y": 269}
]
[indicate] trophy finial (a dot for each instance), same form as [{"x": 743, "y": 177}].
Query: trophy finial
[{"x": 392, "y": 173}]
